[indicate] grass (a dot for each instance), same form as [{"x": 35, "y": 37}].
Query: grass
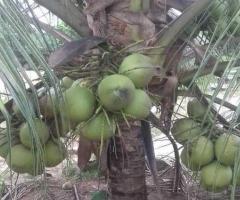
[{"x": 72, "y": 172}]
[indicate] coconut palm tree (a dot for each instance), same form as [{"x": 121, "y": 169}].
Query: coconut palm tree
[{"x": 191, "y": 43}]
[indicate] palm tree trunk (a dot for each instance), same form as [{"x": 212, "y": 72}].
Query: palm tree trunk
[{"x": 127, "y": 164}]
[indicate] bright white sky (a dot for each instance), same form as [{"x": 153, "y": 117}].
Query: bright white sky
[{"x": 43, "y": 14}]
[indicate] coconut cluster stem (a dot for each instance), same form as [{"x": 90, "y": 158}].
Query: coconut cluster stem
[{"x": 155, "y": 122}]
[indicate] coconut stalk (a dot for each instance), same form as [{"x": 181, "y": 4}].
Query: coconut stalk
[{"x": 127, "y": 164}]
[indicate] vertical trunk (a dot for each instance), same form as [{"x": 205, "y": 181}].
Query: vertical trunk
[{"x": 127, "y": 164}]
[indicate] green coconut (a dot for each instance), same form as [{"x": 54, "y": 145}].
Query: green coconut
[
  {"x": 226, "y": 148},
  {"x": 22, "y": 161},
  {"x": 215, "y": 177},
  {"x": 55, "y": 153},
  {"x": 40, "y": 131},
  {"x": 115, "y": 92},
  {"x": 140, "y": 106},
  {"x": 46, "y": 106},
  {"x": 79, "y": 103},
  {"x": 185, "y": 158},
  {"x": 138, "y": 68},
  {"x": 66, "y": 82},
  {"x": 99, "y": 127},
  {"x": 49, "y": 104},
  {"x": 197, "y": 111},
  {"x": 199, "y": 153},
  {"x": 4, "y": 144},
  {"x": 185, "y": 129}
]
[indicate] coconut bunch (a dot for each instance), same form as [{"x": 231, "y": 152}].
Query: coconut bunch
[
  {"x": 19, "y": 148},
  {"x": 213, "y": 155},
  {"x": 94, "y": 107},
  {"x": 86, "y": 107}
]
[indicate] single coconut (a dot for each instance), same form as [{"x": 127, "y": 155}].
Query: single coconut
[
  {"x": 47, "y": 107},
  {"x": 5, "y": 144},
  {"x": 49, "y": 104},
  {"x": 185, "y": 129},
  {"x": 185, "y": 158},
  {"x": 55, "y": 153},
  {"x": 99, "y": 127},
  {"x": 22, "y": 161},
  {"x": 199, "y": 153},
  {"x": 226, "y": 148},
  {"x": 66, "y": 82},
  {"x": 79, "y": 103},
  {"x": 40, "y": 131},
  {"x": 138, "y": 68},
  {"x": 197, "y": 111},
  {"x": 140, "y": 106},
  {"x": 215, "y": 177},
  {"x": 115, "y": 92}
]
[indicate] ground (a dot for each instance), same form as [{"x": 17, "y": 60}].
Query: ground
[{"x": 61, "y": 187}]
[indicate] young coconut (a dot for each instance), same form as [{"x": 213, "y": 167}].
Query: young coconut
[
  {"x": 66, "y": 82},
  {"x": 215, "y": 177},
  {"x": 186, "y": 129},
  {"x": 185, "y": 158},
  {"x": 115, "y": 92},
  {"x": 140, "y": 106},
  {"x": 79, "y": 103},
  {"x": 49, "y": 104},
  {"x": 5, "y": 146},
  {"x": 99, "y": 127},
  {"x": 138, "y": 68},
  {"x": 197, "y": 111},
  {"x": 41, "y": 131},
  {"x": 198, "y": 153},
  {"x": 55, "y": 153},
  {"x": 226, "y": 148},
  {"x": 23, "y": 161}
]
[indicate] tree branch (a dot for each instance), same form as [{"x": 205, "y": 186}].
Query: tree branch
[
  {"x": 217, "y": 100},
  {"x": 179, "y": 5},
  {"x": 212, "y": 63},
  {"x": 69, "y": 13}
]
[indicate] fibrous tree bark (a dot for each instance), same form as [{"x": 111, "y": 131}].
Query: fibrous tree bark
[{"x": 127, "y": 164}]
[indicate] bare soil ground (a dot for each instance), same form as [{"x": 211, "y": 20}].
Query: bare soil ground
[{"x": 59, "y": 187}]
